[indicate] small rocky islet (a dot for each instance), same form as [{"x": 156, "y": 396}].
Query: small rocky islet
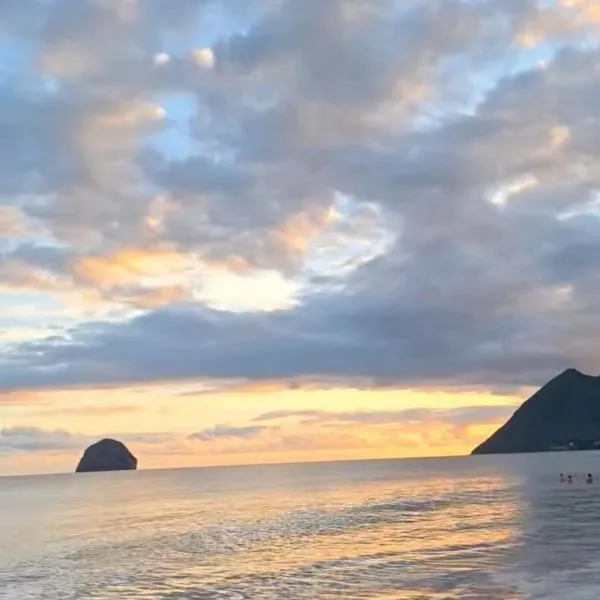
[{"x": 107, "y": 455}]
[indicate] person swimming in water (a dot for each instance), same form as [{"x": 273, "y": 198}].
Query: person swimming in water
[
  {"x": 589, "y": 478},
  {"x": 570, "y": 478},
  {"x": 561, "y": 477}
]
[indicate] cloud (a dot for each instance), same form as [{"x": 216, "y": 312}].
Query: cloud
[
  {"x": 228, "y": 432},
  {"x": 33, "y": 439},
  {"x": 344, "y": 189},
  {"x": 381, "y": 433},
  {"x": 17, "y": 440},
  {"x": 20, "y": 398},
  {"x": 294, "y": 434},
  {"x": 86, "y": 411},
  {"x": 462, "y": 416}
]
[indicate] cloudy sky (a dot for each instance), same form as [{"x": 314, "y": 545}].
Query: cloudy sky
[{"x": 240, "y": 231}]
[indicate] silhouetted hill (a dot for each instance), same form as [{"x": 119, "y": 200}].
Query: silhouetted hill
[
  {"x": 563, "y": 414},
  {"x": 107, "y": 455}
]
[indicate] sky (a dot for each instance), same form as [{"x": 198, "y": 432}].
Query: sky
[{"x": 281, "y": 230}]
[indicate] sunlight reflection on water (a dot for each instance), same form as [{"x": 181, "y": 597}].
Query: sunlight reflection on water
[{"x": 477, "y": 528}]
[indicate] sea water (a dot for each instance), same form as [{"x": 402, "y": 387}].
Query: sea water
[{"x": 484, "y": 528}]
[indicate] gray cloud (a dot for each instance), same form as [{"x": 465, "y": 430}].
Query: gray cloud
[
  {"x": 352, "y": 340},
  {"x": 33, "y": 439},
  {"x": 312, "y": 100},
  {"x": 24, "y": 439}
]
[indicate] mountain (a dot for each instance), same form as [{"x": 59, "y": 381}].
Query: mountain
[
  {"x": 107, "y": 455},
  {"x": 563, "y": 414}
]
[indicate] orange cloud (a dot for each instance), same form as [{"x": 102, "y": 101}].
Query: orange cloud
[
  {"x": 567, "y": 18},
  {"x": 299, "y": 231},
  {"x": 237, "y": 264},
  {"x": 417, "y": 432},
  {"x": 529, "y": 39},
  {"x": 87, "y": 411},
  {"x": 295, "y": 236},
  {"x": 588, "y": 11},
  {"x": 22, "y": 397},
  {"x": 153, "y": 277},
  {"x": 156, "y": 298},
  {"x": 129, "y": 266},
  {"x": 204, "y": 57}
]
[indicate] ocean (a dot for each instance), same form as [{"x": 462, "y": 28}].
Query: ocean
[{"x": 478, "y": 528}]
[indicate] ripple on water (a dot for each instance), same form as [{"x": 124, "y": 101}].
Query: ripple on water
[{"x": 438, "y": 535}]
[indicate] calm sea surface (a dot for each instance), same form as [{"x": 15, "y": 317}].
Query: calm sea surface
[{"x": 478, "y": 528}]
